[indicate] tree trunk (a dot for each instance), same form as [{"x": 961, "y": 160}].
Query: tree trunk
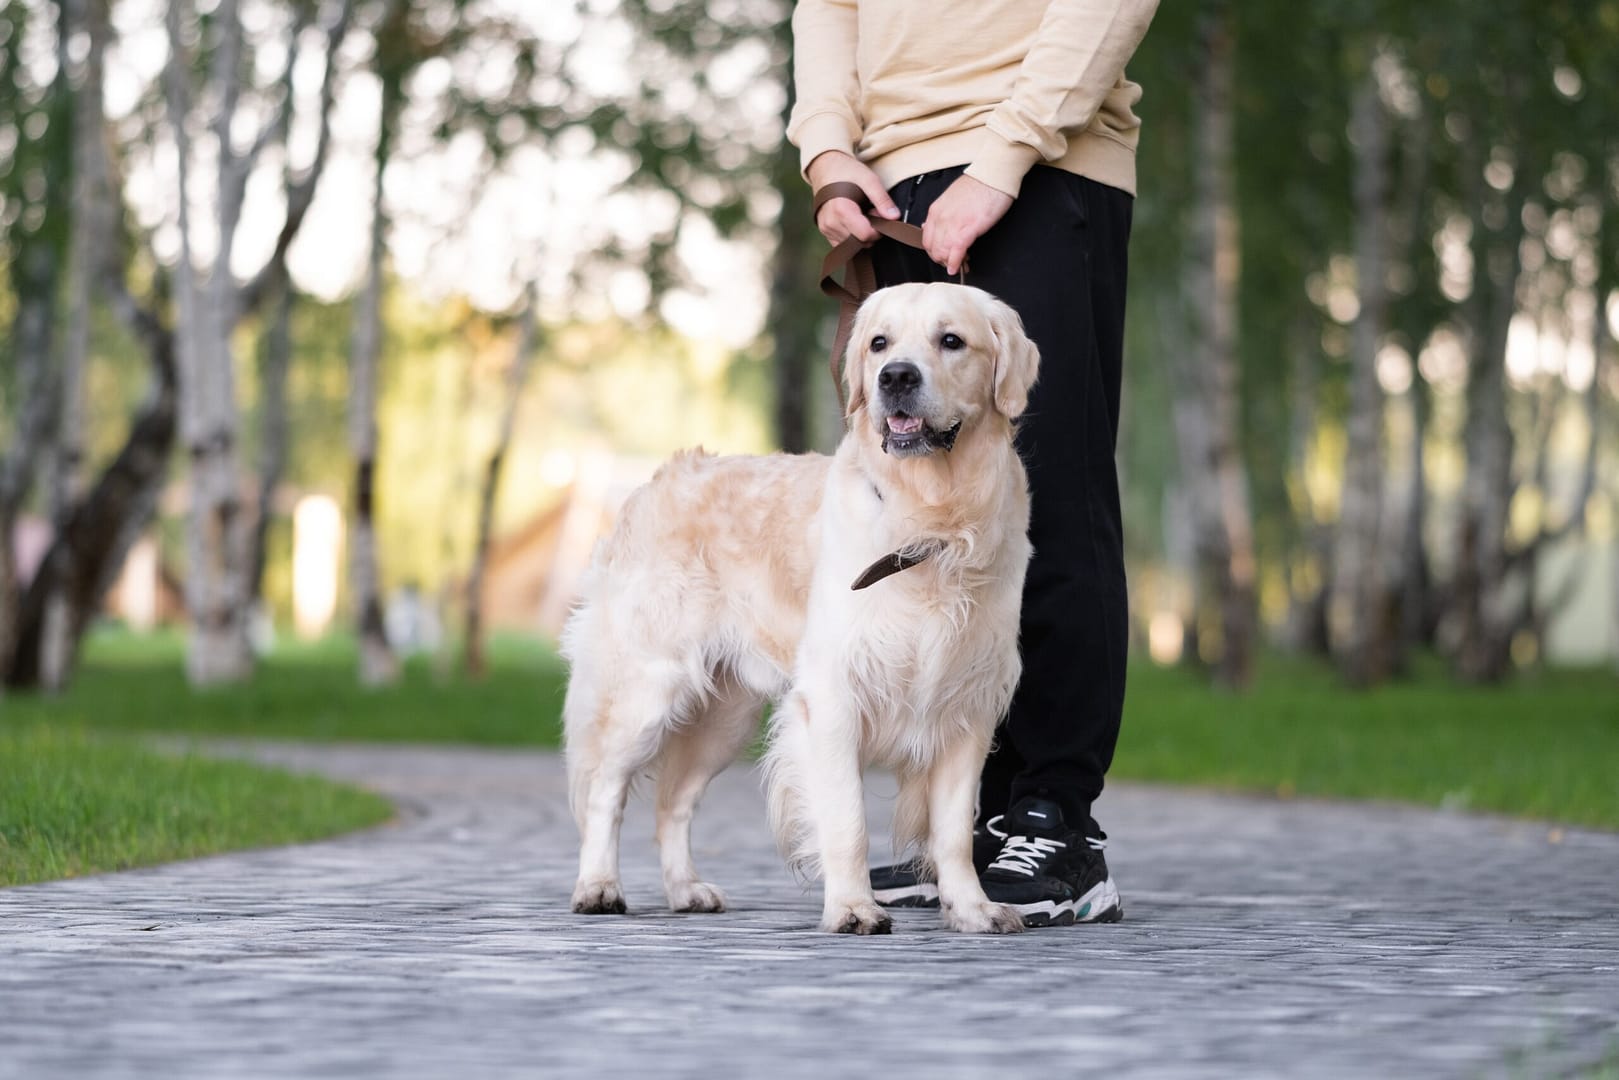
[
  {"x": 31, "y": 344},
  {"x": 37, "y": 255},
  {"x": 1410, "y": 592},
  {"x": 276, "y": 357},
  {"x": 797, "y": 308},
  {"x": 378, "y": 665},
  {"x": 218, "y": 592},
  {"x": 1482, "y": 650},
  {"x": 1307, "y": 586},
  {"x": 215, "y": 577},
  {"x": 1209, "y": 401},
  {"x": 276, "y": 360},
  {"x": 1354, "y": 607},
  {"x": 516, "y": 378},
  {"x": 101, "y": 527},
  {"x": 91, "y": 197}
]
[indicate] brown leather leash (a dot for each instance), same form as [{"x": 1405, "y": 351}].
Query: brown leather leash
[
  {"x": 854, "y": 259},
  {"x": 859, "y": 281}
]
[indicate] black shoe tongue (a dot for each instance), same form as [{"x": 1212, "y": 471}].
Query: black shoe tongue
[{"x": 1041, "y": 817}]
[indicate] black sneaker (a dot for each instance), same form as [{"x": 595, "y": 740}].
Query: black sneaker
[
  {"x": 909, "y": 885},
  {"x": 1053, "y": 875}
]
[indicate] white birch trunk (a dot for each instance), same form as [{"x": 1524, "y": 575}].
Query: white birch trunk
[
  {"x": 378, "y": 665},
  {"x": 215, "y": 573},
  {"x": 277, "y": 355},
  {"x": 516, "y": 379},
  {"x": 272, "y": 434},
  {"x": 1219, "y": 477},
  {"x": 1357, "y": 581},
  {"x": 1479, "y": 601},
  {"x": 218, "y": 580},
  {"x": 91, "y": 199}
]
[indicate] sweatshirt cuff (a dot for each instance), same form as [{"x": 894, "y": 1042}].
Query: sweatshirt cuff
[
  {"x": 819, "y": 133},
  {"x": 1002, "y": 164}
]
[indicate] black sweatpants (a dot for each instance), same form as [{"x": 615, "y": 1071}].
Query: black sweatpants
[{"x": 1059, "y": 259}]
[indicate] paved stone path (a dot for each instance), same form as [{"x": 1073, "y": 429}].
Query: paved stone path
[{"x": 1261, "y": 938}]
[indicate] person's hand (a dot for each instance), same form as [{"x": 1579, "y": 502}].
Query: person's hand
[
  {"x": 966, "y": 211},
  {"x": 839, "y": 219}
]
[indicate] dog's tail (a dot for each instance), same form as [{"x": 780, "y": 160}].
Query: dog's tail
[
  {"x": 579, "y": 754},
  {"x": 784, "y": 784},
  {"x": 911, "y": 814},
  {"x": 581, "y": 709}
]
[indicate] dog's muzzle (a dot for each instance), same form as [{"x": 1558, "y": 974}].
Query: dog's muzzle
[{"x": 910, "y": 436}]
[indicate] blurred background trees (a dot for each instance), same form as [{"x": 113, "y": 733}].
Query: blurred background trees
[{"x": 469, "y": 269}]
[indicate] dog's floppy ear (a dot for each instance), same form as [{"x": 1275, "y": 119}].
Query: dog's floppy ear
[
  {"x": 854, "y": 360},
  {"x": 1017, "y": 360}
]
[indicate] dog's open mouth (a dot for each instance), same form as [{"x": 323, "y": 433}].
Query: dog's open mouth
[{"x": 906, "y": 436}]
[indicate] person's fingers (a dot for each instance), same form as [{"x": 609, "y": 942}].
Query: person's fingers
[
  {"x": 826, "y": 221},
  {"x": 856, "y": 225},
  {"x": 852, "y": 221},
  {"x": 840, "y": 219},
  {"x": 930, "y": 239},
  {"x": 945, "y": 241},
  {"x": 880, "y": 202}
]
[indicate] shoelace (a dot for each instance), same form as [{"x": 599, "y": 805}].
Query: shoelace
[{"x": 1023, "y": 854}]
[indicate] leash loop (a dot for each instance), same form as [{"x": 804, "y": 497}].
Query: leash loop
[{"x": 853, "y": 259}]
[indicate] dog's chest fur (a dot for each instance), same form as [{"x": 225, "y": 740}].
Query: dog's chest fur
[{"x": 929, "y": 650}]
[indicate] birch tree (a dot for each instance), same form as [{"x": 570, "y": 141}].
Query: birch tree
[
  {"x": 1358, "y": 581},
  {"x": 378, "y": 665},
  {"x": 209, "y": 304},
  {"x": 92, "y": 197},
  {"x": 516, "y": 378},
  {"x": 1207, "y": 405},
  {"x": 93, "y": 524}
]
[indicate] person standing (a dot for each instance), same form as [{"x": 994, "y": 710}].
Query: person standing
[{"x": 1006, "y": 129}]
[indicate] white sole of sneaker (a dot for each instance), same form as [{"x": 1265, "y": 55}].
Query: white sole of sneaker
[
  {"x": 1101, "y": 904},
  {"x": 923, "y": 894}
]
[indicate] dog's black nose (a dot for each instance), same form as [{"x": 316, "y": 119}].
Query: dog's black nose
[{"x": 899, "y": 376}]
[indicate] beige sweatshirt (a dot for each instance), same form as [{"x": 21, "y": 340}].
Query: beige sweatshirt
[{"x": 909, "y": 86}]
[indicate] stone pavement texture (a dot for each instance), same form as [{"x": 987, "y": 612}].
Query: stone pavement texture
[{"x": 1261, "y": 939}]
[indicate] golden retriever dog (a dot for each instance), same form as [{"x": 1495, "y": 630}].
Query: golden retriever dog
[{"x": 872, "y": 596}]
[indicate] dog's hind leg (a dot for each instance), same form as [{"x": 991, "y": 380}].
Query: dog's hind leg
[
  {"x": 694, "y": 754},
  {"x": 632, "y": 725}
]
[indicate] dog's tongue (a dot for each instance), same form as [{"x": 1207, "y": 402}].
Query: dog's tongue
[{"x": 904, "y": 425}]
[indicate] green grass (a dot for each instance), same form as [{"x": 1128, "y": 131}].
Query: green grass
[
  {"x": 71, "y": 804},
  {"x": 1545, "y": 746},
  {"x": 308, "y": 691}
]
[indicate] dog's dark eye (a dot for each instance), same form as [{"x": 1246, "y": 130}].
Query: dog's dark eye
[
  {"x": 952, "y": 341},
  {"x": 879, "y": 343}
]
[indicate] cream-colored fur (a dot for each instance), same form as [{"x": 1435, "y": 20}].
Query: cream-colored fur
[{"x": 726, "y": 584}]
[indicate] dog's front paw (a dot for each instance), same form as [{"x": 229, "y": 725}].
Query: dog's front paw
[
  {"x": 598, "y": 898},
  {"x": 696, "y": 896},
  {"x": 982, "y": 917},
  {"x": 863, "y": 918}
]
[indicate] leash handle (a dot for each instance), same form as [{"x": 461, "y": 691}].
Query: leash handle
[{"x": 853, "y": 259}]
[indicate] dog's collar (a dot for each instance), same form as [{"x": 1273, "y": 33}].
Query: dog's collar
[
  {"x": 893, "y": 563},
  {"x": 939, "y": 440}
]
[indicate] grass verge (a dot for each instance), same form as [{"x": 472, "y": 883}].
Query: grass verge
[
  {"x": 72, "y": 804},
  {"x": 1545, "y": 746}
]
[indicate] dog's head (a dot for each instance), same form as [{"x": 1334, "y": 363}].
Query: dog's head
[{"x": 927, "y": 361}]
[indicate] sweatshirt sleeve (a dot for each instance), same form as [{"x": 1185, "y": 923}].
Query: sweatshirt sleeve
[
  {"x": 826, "y": 114},
  {"x": 1078, "y": 56}
]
